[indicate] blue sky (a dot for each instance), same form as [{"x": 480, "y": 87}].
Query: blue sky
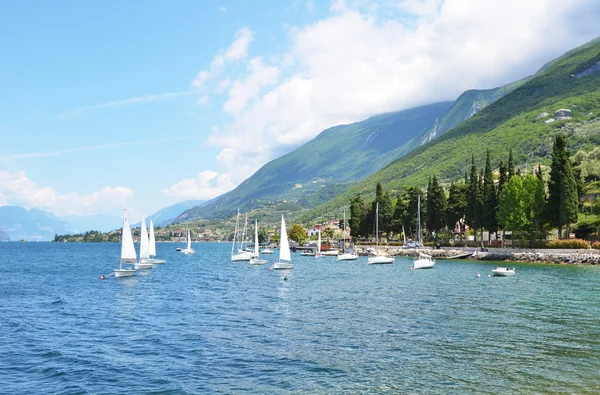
[{"x": 144, "y": 104}]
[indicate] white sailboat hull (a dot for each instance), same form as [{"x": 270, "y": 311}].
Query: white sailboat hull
[
  {"x": 347, "y": 257},
  {"x": 330, "y": 253},
  {"x": 266, "y": 251},
  {"x": 423, "y": 263},
  {"x": 282, "y": 266},
  {"x": 243, "y": 256},
  {"x": 142, "y": 266},
  {"x": 124, "y": 273},
  {"x": 188, "y": 251},
  {"x": 154, "y": 261},
  {"x": 256, "y": 261},
  {"x": 380, "y": 260}
]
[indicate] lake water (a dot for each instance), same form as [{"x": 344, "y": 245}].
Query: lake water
[{"x": 202, "y": 324}]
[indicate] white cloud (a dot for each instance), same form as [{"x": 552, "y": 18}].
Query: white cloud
[
  {"x": 207, "y": 185},
  {"x": 237, "y": 51},
  {"x": 17, "y": 189},
  {"x": 260, "y": 75},
  {"x": 373, "y": 57},
  {"x": 223, "y": 9},
  {"x": 94, "y": 147},
  {"x": 125, "y": 102}
]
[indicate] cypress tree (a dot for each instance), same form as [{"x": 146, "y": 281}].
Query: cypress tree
[
  {"x": 571, "y": 196},
  {"x": 502, "y": 170},
  {"x": 561, "y": 208},
  {"x": 355, "y": 216},
  {"x": 386, "y": 213},
  {"x": 471, "y": 216},
  {"x": 511, "y": 164},
  {"x": 490, "y": 199},
  {"x": 456, "y": 207},
  {"x": 436, "y": 206},
  {"x": 479, "y": 204}
]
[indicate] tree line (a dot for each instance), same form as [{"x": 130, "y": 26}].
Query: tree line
[{"x": 521, "y": 203}]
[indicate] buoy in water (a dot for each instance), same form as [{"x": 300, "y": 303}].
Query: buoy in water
[
  {"x": 102, "y": 277},
  {"x": 478, "y": 275}
]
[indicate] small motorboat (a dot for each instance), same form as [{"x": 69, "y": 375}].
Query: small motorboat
[
  {"x": 177, "y": 249},
  {"x": 503, "y": 272}
]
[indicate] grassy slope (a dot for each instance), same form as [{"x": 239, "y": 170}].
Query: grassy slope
[
  {"x": 510, "y": 122},
  {"x": 467, "y": 104},
  {"x": 338, "y": 155}
]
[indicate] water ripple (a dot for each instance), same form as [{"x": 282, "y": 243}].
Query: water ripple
[{"x": 201, "y": 324}]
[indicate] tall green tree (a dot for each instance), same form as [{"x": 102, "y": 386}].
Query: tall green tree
[
  {"x": 471, "y": 217},
  {"x": 436, "y": 206},
  {"x": 490, "y": 200},
  {"x": 502, "y": 176},
  {"x": 479, "y": 204},
  {"x": 511, "y": 164},
  {"x": 355, "y": 216},
  {"x": 456, "y": 207},
  {"x": 561, "y": 209},
  {"x": 386, "y": 213}
]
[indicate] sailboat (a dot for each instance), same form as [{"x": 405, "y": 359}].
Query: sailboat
[
  {"x": 144, "y": 250},
  {"x": 241, "y": 254},
  {"x": 189, "y": 250},
  {"x": 318, "y": 253},
  {"x": 128, "y": 254},
  {"x": 346, "y": 256},
  {"x": 285, "y": 258},
  {"x": 379, "y": 258},
  {"x": 255, "y": 260},
  {"x": 152, "y": 248},
  {"x": 424, "y": 261}
]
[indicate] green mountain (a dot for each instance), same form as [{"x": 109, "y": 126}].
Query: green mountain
[
  {"x": 467, "y": 105},
  {"x": 525, "y": 120},
  {"x": 321, "y": 168},
  {"x": 343, "y": 154}
]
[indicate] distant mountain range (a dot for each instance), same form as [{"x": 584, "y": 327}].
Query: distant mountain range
[
  {"x": 525, "y": 120},
  {"x": 340, "y": 156},
  {"x": 167, "y": 215},
  {"x": 4, "y": 236},
  {"x": 18, "y": 223},
  {"x": 22, "y": 224}
]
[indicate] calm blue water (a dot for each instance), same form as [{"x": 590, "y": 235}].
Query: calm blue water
[{"x": 201, "y": 324}]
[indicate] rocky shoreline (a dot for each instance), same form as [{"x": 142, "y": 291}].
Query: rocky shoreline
[{"x": 571, "y": 257}]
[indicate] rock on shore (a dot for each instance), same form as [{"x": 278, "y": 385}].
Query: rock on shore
[{"x": 572, "y": 257}]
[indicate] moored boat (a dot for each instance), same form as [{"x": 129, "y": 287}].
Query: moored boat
[{"x": 503, "y": 272}]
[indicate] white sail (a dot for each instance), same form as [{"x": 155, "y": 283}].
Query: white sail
[
  {"x": 256, "y": 252},
  {"x": 127, "y": 248},
  {"x": 319, "y": 244},
  {"x": 235, "y": 231},
  {"x": 189, "y": 240},
  {"x": 243, "y": 240},
  {"x": 284, "y": 245},
  {"x": 144, "y": 241},
  {"x": 152, "y": 244}
]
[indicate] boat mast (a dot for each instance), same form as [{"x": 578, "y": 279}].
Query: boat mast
[
  {"x": 237, "y": 220},
  {"x": 419, "y": 217},
  {"x": 377, "y": 225}
]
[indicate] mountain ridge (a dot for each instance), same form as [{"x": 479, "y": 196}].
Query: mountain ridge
[{"x": 521, "y": 120}]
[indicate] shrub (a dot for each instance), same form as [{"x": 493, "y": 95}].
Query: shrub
[
  {"x": 596, "y": 245},
  {"x": 569, "y": 244}
]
